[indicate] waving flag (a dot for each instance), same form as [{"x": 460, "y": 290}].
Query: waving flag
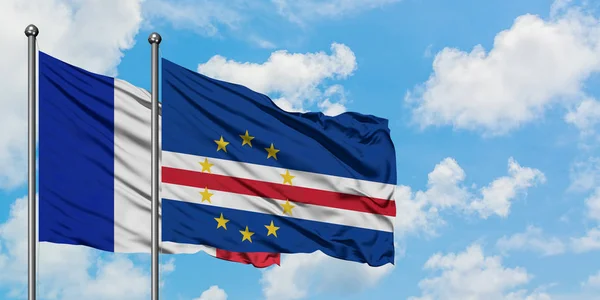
[
  {"x": 94, "y": 165},
  {"x": 243, "y": 175}
]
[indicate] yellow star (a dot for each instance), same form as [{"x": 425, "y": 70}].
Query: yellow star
[
  {"x": 272, "y": 229},
  {"x": 287, "y": 178},
  {"x": 221, "y": 144},
  {"x": 287, "y": 207},
  {"x": 206, "y": 195},
  {"x": 246, "y": 234},
  {"x": 221, "y": 222},
  {"x": 206, "y": 165},
  {"x": 272, "y": 152},
  {"x": 246, "y": 139}
]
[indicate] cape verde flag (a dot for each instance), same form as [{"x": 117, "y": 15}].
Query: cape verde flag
[
  {"x": 94, "y": 165},
  {"x": 243, "y": 175}
]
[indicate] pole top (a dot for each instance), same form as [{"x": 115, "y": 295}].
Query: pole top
[
  {"x": 154, "y": 38},
  {"x": 31, "y": 30}
]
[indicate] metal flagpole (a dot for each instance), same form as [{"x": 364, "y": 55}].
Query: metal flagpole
[
  {"x": 154, "y": 39},
  {"x": 31, "y": 32}
]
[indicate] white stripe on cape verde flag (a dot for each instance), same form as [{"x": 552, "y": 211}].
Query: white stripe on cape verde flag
[
  {"x": 273, "y": 175},
  {"x": 274, "y": 207},
  {"x": 132, "y": 170}
]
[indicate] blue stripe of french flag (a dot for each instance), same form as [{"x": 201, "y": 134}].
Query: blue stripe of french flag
[{"x": 94, "y": 165}]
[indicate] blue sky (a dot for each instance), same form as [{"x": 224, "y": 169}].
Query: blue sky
[{"x": 493, "y": 109}]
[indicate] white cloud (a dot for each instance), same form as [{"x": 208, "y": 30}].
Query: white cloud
[
  {"x": 589, "y": 242},
  {"x": 335, "y": 99},
  {"x": 415, "y": 214},
  {"x": 331, "y": 109},
  {"x": 306, "y": 10},
  {"x": 419, "y": 211},
  {"x": 446, "y": 190},
  {"x": 165, "y": 268},
  {"x": 585, "y": 175},
  {"x": 524, "y": 295},
  {"x": 593, "y": 281},
  {"x": 532, "y": 239},
  {"x": 559, "y": 6},
  {"x": 592, "y": 203},
  {"x": 74, "y": 31},
  {"x": 295, "y": 80},
  {"x": 213, "y": 293},
  {"x": 301, "y": 273},
  {"x": 82, "y": 272},
  {"x": 168, "y": 266},
  {"x": 471, "y": 275},
  {"x": 496, "y": 197},
  {"x": 586, "y": 116},
  {"x": 444, "y": 185},
  {"x": 533, "y": 65},
  {"x": 261, "y": 42},
  {"x": 427, "y": 53}
]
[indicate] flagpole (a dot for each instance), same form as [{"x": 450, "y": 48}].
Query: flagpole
[
  {"x": 31, "y": 32},
  {"x": 154, "y": 39}
]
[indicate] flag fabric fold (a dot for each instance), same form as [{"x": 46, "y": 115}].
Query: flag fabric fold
[
  {"x": 240, "y": 174},
  {"x": 94, "y": 165}
]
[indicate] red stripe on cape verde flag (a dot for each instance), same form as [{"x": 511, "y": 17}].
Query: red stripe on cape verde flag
[
  {"x": 279, "y": 191},
  {"x": 270, "y": 174}
]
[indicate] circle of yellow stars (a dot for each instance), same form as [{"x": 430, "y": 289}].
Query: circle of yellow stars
[{"x": 287, "y": 207}]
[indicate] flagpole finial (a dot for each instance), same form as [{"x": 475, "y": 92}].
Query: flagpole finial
[
  {"x": 32, "y": 30},
  {"x": 154, "y": 38}
]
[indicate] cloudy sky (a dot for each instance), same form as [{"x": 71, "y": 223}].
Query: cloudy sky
[{"x": 494, "y": 109}]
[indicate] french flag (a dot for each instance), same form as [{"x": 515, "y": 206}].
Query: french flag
[{"x": 94, "y": 165}]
